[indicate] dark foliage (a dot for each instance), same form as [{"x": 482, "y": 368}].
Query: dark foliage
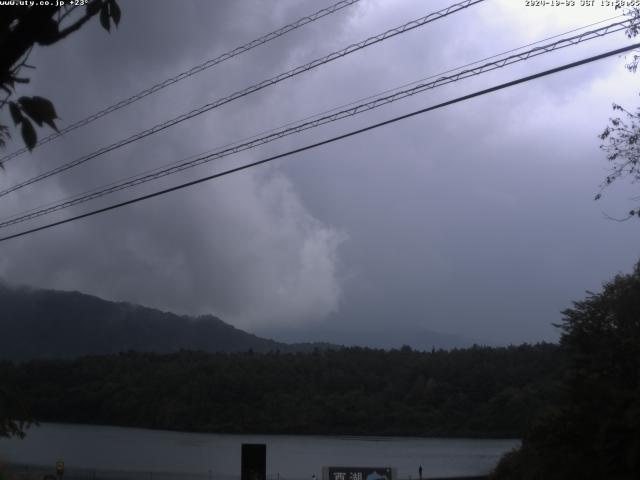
[
  {"x": 621, "y": 143},
  {"x": 480, "y": 391},
  {"x": 21, "y": 28},
  {"x": 15, "y": 417},
  {"x": 620, "y": 139},
  {"x": 595, "y": 432}
]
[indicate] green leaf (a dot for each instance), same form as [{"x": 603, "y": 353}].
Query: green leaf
[
  {"x": 30, "y": 109},
  {"x": 16, "y": 114},
  {"x": 29, "y": 134},
  {"x": 104, "y": 17},
  {"x": 114, "y": 9},
  {"x": 93, "y": 7},
  {"x": 40, "y": 110}
]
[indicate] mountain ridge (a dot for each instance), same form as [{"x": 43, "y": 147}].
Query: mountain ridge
[{"x": 44, "y": 323}]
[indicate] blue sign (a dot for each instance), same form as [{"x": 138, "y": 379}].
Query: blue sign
[{"x": 360, "y": 473}]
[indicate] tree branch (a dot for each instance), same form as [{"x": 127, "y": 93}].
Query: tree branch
[{"x": 74, "y": 26}]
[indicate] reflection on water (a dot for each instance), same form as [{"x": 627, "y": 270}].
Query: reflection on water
[{"x": 218, "y": 455}]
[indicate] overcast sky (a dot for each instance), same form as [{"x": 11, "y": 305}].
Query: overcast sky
[{"x": 476, "y": 219}]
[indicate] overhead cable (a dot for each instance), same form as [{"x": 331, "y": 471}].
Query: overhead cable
[
  {"x": 254, "y": 88},
  {"x": 325, "y": 142},
  {"x": 188, "y": 73},
  {"x": 339, "y": 115}
]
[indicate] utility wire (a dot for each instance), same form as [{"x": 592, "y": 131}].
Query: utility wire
[
  {"x": 327, "y": 141},
  {"x": 360, "y": 108},
  {"x": 204, "y": 158},
  {"x": 192, "y": 71},
  {"x": 254, "y": 88},
  {"x": 369, "y": 97}
]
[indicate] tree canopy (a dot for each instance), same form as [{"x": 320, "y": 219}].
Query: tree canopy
[
  {"x": 595, "y": 433},
  {"x": 621, "y": 138},
  {"x": 479, "y": 391},
  {"x": 21, "y": 28}
]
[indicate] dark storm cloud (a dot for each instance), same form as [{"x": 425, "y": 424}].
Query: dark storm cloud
[
  {"x": 246, "y": 249},
  {"x": 475, "y": 219},
  {"x": 478, "y": 219}
]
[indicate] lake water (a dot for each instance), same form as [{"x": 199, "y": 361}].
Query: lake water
[{"x": 290, "y": 456}]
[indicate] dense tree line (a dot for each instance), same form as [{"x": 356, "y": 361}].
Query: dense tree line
[
  {"x": 594, "y": 432},
  {"x": 480, "y": 391}
]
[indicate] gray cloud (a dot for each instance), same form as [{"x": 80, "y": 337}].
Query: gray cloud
[
  {"x": 245, "y": 249},
  {"x": 476, "y": 219}
]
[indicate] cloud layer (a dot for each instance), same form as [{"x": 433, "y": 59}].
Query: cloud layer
[{"x": 476, "y": 219}]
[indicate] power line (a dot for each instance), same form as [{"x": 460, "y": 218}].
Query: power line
[
  {"x": 439, "y": 74},
  {"x": 192, "y": 71},
  {"x": 394, "y": 89},
  {"x": 327, "y": 141},
  {"x": 254, "y": 88},
  {"x": 199, "y": 160},
  {"x": 361, "y": 108}
]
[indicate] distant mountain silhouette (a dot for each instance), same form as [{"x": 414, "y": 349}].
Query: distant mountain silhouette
[
  {"x": 373, "y": 336},
  {"x": 37, "y": 323}
]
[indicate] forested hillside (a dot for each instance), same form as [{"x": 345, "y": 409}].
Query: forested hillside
[
  {"x": 594, "y": 432},
  {"x": 481, "y": 391},
  {"x": 49, "y": 324}
]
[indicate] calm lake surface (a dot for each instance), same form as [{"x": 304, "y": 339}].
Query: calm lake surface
[{"x": 292, "y": 456}]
